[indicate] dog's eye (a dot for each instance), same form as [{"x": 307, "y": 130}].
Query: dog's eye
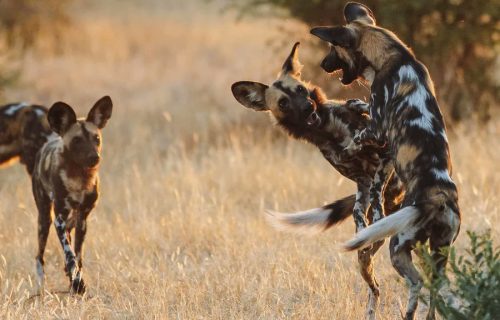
[
  {"x": 283, "y": 104},
  {"x": 97, "y": 139},
  {"x": 301, "y": 90}
]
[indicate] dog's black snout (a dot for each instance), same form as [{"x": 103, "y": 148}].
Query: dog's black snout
[
  {"x": 310, "y": 105},
  {"x": 93, "y": 159},
  {"x": 327, "y": 65}
]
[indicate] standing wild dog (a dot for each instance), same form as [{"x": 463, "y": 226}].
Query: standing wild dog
[
  {"x": 404, "y": 113},
  {"x": 23, "y": 131},
  {"x": 65, "y": 179},
  {"x": 302, "y": 110}
]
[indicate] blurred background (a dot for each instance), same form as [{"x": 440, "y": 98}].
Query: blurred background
[
  {"x": 187, "y": 171},
  {"x": 458, "y": 40}
]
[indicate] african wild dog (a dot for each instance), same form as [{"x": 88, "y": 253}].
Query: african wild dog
[
  {"x": 66, "y": 180},
  {"x": 23, "y": 131},
  {"x": 404, "y": 113},
  {"x": 302, "y": 110}
]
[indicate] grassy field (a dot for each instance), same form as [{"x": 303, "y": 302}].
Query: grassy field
[{"x": 179, "y": 232}]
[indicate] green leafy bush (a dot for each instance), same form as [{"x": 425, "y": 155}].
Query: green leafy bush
[{"x": 473, "y": 281}]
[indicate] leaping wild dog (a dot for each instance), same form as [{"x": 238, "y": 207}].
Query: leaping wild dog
[
  {"x": 66, "y": 180},
  {"x": 405, "y": 113},
  {"x": 303, "y": 111},
  {"x": 23, "y": 131}
]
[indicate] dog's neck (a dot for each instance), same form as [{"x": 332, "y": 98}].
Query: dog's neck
[{"x": 382, "y": 49}]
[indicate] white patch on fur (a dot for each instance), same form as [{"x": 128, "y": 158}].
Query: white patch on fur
[
  {"x": 407, "y": 72},
  {"x": 443, "y": 175},
  {"x": 453, "y": 220},
  {"x": 59, "y": 223},
  {"x": 10, "y": 111},
  {"x": 423, "y": 122},
  {"x": 386, "y": 95},
  {"x": 305, "y": 222},
  {"x": 369, "y": 75},
  {"x": 386, "y": 227},
  {"x": 39, "y": 112},
  {"x": 443, "y": 134},
  {"x": 417, "y": 99},
  {"x": 405, "y": 236},
  {"x": 40, "y": 274}
]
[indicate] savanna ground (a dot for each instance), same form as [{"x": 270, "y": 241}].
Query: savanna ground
[{"x": 179, "y": 231}]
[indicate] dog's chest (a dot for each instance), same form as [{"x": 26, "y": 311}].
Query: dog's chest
[{"x": 77, "y": 187}]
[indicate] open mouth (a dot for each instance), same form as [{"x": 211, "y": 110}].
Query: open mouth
[{"x": 313, "y": 119}]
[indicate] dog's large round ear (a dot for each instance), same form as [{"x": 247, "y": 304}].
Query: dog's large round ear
[
  {"x": 250, "y": 94},
  {"x": 101, "y": 112},
  {"x": 354, "y": 11},
  {"x": 61, "y": 117},
  {"x": 338, "y": 36},
  {"x": 292, "y": 64}
]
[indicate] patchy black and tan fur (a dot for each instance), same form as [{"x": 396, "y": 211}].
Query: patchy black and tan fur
[
  {"x": 406, "y": 115},
  {"x": 23, "y": 131},
  {"x": 65, "y": 180},
  {"x": 303, "y": 111}
]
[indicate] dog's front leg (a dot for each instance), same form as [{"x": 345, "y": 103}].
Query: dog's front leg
[
  {"x": 358, "y": 105},
  {"x": 62, "y": 210},
  {"x": 365, "y": 256},
  {"x": 361, "y": 205},
  {"x": 379, "y": 183},
  {"x": 80, "y": 232}
]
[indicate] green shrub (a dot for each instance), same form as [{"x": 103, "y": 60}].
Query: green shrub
[{"x": 472, "y": 279}]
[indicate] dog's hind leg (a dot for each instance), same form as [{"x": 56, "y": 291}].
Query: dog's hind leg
[
  {"x": 365, "y": 260},
  {"x": 377, "y": 189},
  {"x": 442, "y": 236},
  {"x": 400, "y": 249},
  {"x": 365, "y": 256}
]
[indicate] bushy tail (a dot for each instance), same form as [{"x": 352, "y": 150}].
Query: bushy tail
[
  {"x": 318, "y": 219},
  {"x": 386, "y": 227}
]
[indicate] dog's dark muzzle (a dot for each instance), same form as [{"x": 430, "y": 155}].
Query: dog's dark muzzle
[
  {"x": 92, "y": 160},
  {"x": 329, "y": 64}
]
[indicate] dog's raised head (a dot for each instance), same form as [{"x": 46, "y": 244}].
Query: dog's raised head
[
  {"x": 292, "y": 102},
  {"x": 81, "y": 137},
  {"x": 358, "y": 48}
]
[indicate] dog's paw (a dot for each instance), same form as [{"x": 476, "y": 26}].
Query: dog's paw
[
  {"x": 78, "y": 286},
  {"x": 351, "y": 148}
]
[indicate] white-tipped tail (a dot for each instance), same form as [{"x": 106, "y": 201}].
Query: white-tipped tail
[
  {"x": 313, "y": 220},
  {"x": 388, "y": 226},
  {"x": 309, "y": 221}
]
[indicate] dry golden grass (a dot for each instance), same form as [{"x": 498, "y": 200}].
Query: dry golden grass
[{"x": 179, "y": 231}]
